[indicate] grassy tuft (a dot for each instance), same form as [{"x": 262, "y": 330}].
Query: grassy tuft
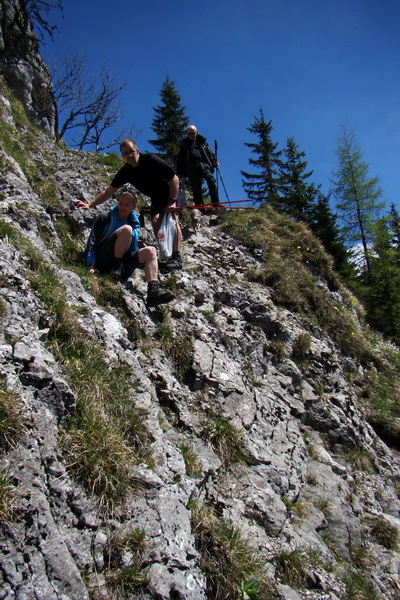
[
  {"x": 385, "y": 533},
  {"x": 192, "y": 463},
  {"x": 291, "y": 567},
  {"x": 13, "y": 420},
  {"x": 226, "y": 440},
  {"x": 359, "y": 587},
  {"x": 126, "y": 554},
  {"x": 7, "y": 497},
  {"x": 301, "y": 348},
  {"x": 230, "y": 565},
  {"x": 99, "y": 455},
  {"x": 178, "y": 348}
]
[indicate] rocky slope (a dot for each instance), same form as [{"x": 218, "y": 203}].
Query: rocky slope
[{"x": 249, "y": 453}]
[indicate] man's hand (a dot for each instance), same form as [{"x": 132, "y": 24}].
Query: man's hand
[
  {"x": 170, "y": 206},
  {"x": 82, "y": 204}
]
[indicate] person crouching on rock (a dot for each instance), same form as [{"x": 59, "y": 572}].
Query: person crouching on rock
[{"x": 113, "y": 246}]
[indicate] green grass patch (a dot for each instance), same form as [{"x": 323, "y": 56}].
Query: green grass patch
[
  {"x": 107, "y": 434},
  {"x": 293, "y": 262},
  {"x": 232, "y": 568},
  {"x": 192, "y": 463},
  {"x": 13, "y": 420},
  {"x": 7, "y": 497},
  {"x": 226, "y": 440},
  {"x": 360, "y": 587}
]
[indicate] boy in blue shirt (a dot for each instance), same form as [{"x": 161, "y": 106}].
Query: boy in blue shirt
[{"x": 113, "y": 245}]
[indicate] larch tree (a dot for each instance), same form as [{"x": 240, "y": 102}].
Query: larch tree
[
  {"x": 263, "y": 186},
  {"x": 357, "y": 195},
  {"x": 169, "y": 123}
]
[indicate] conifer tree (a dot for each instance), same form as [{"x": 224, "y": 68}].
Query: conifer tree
[
  {"x": 323, "y": 223},
  {"x": 382, "y": 290},
  {"x": 357, "y": 195},
  {"x": 264, "y": 185},
  {"x": 297, "y": 195},
  {"x": 169, "y": 123},
  {"x": 394, "y": 226}
]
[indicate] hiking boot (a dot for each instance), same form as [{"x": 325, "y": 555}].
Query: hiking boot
[
  {"x": 174, "y": 263},
  {"x": 156, "y": 296}
]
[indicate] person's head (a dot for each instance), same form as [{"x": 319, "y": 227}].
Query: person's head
[
  {"x": 129, "y": 151},
  {"x": 192, "y": 132},
  {"x": 126, "y": 204}
]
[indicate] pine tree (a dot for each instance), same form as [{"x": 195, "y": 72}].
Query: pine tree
[
  {"x": 169, "y": 123},
  {"x": 357, "y": 195},
  {"x": 297, "y": 195},
  {"x": 323, "y": 223},
  {"x": 263, "y": 186},
  {"x": 382, "y": 290},
  {"x": 394, "y": 226}
]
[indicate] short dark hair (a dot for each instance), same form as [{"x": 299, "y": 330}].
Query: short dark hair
[{"x": 127, "y": 141}]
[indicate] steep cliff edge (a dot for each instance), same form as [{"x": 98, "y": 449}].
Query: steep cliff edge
[
  {"x": 22, "y": 66},
  {"x": 216, "y": 448}
]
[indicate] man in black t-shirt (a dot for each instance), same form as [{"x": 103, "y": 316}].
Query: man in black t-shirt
[{"x": 153, "y": 177}]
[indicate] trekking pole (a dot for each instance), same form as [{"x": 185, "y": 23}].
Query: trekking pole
[
  {"x": 219, "y": 172},
  {"x": 222, "y": 181},
  {"x": 216, "y": 159}
]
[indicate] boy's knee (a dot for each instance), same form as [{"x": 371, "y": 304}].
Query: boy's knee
[
  {"x": 125, "y": 230},
  {"x": 148, "y": 253}
]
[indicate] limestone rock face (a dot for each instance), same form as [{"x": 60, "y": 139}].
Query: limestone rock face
[
  {"x": 23, "y": 68},
  {"x": 292, "y": 490}
]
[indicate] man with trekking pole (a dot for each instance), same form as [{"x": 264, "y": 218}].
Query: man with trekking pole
[{"x": 196, "y": 161}]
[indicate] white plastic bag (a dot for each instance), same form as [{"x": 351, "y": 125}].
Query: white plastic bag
[{"x": 165, "y": 236}]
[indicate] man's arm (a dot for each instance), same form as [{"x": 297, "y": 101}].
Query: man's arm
[
  {"x": 99, "y": 199},
  {"x": 173, "y": 189}
]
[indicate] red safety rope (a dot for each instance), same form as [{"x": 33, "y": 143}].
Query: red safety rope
[{"x": 219, "y": 206}]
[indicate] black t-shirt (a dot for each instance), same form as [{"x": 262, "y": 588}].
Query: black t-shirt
[{"x": 150, "y": 176}]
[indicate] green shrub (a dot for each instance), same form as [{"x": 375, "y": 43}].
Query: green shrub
[
  {"x": 301, "y": 348},
  {"x": 3, "y": 308},
  {"x": 8, "y": 233},
  {"x": 360, "y": 460}
]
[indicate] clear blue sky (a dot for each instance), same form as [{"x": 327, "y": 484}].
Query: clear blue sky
[{"x": 311, "y": 65}]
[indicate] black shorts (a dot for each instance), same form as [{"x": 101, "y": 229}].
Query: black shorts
[
  {"x": 105, "y": 262},
  {"x": 158, "y": 206}
]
